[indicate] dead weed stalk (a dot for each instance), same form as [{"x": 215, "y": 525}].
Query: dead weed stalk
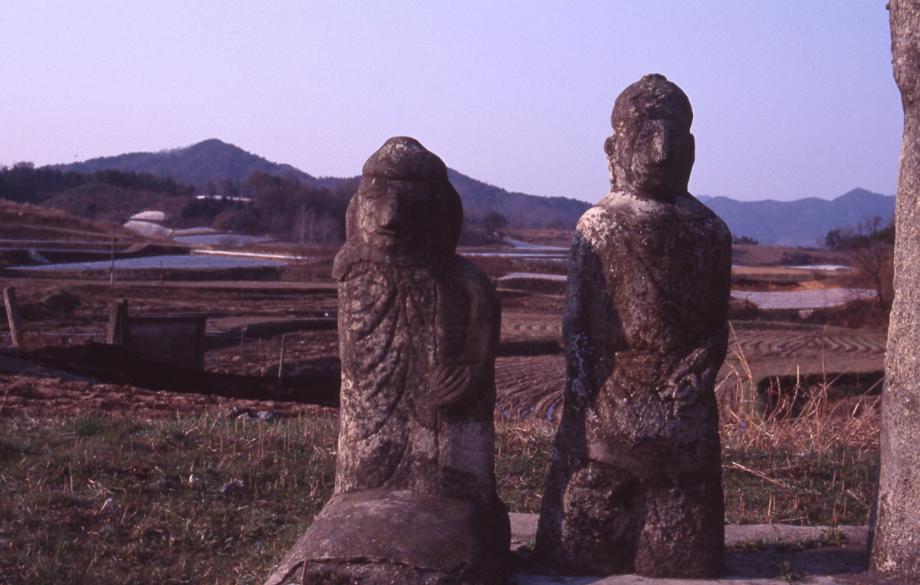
[{"x": 806, "y": 460}]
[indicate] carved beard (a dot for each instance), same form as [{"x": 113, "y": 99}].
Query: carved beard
[{"x": 388, "y": 339}]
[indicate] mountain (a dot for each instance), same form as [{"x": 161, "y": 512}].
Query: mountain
[
  {"x": 520, "y": 209},
  {"x": 215, "y": 161},
  {"x": 208, "y": 161},
  {"x": 803, "y": 222}
]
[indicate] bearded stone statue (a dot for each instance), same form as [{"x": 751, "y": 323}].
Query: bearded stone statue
[
  {"x": 635, "y": 480},
  {"x": 414, "y": 499}
]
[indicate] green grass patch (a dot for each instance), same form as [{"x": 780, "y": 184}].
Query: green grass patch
[
  {"x": 89, "y": 426},
  {"x": 192, "y": 500}
]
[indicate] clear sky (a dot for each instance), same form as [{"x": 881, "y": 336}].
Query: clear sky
[{"x": 792, "y": 98}]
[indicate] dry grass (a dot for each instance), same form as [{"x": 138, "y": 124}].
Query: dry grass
[
  {"x": 808, "y": 464},
  {"x": 522, "y": 454}
]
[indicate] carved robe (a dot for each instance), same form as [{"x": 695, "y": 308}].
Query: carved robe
[
  {"x": 406, "y": 329},
  {"x": 634, "y": 483}
]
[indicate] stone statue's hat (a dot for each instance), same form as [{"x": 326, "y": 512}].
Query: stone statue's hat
[
  {"x": 437, "y": 215},
  {"x": 404, "y": 158},
  {"x": 652, "y": 97}
]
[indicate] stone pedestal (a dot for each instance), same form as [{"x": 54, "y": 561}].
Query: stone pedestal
[{"x": 380, "y": 537}]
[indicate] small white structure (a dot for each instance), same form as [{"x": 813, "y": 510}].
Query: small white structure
[
  {"x": 149, "y": 216},
  {"x": 225, "y": 198},
  {"x": 148, "y": 229}
]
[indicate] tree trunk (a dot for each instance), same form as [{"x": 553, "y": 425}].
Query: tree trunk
[{"x": 896, "y": 531}]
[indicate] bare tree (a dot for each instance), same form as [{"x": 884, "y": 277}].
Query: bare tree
[
  {"x": 871, "y": 258},
  {"x": 304, "y": 223},
  {"x": 326, "y": 226}
]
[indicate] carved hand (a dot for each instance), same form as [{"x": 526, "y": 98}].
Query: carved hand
[{"x": 452, "y": 382}]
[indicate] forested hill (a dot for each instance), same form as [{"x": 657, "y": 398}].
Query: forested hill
[
  {"x": 803, "y": 222},
  {"x": 224, "y": 168},
  {"x": 520, "y": 209},
  {"x": 211, "y": 161}
]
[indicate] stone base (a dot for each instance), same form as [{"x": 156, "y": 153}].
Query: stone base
[
  {"x": 379, "y": 537},
  {"x": 756, "y": 554}
]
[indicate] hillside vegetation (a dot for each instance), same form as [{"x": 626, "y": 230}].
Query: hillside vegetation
[{"x": 217, "y": 167}]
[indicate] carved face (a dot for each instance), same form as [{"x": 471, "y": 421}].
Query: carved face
[
  {"x": 405, "y": 206},
  {"x": 651, "y": 158},
  {"x": 392, "y": 215}
]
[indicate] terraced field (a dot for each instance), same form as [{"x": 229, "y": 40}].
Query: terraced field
[
  {"x": 531, "y": 386},
  {"x": 245, "y": 335}
]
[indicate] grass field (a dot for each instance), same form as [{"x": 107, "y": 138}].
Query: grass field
[{"x": 215, "y": 499}]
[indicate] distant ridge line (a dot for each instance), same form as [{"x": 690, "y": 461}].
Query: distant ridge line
[{"x": 801, "y": 222}]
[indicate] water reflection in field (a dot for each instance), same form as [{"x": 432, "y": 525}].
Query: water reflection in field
[
  {"x": 172, "y": 262},
  {"x": 803, "y": 299},
  {"x": 535, "y": 275},
  {"x": 221, "y": 239},
  {"x": 520, "y": 250}
]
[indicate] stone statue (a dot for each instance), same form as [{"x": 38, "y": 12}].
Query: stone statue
[
  {"x": 635, "y": 480},
  {"x": 414, "y": 500},
  {"x": 895, "y": 537}
]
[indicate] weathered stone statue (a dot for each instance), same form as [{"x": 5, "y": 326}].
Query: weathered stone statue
[
  {"x": 635, "y": 480},
  {"x": 896, "y": 533},
  {"x": 414, "y": 500}
]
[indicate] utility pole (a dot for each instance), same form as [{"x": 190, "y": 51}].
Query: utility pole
[
  {"x": 112, "y": 255},
  {"x": 281, "y": 360},
  {"x": 12, "y": 316}
]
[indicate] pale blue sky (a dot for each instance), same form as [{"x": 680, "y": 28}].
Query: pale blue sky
[{"x": 792, "y": 98}]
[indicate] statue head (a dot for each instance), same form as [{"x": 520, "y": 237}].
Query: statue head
[
  {"x": 651, "y": 151},
  {"x": 405, "y": 206}
]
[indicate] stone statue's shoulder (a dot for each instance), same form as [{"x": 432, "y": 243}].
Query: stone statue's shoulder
[
  {"x": 472, "y": 278},
  {"x": 691, "y": 206},
  {"x": 621, "y": 213},
  {"x": 597, "y": 224},
  {"x": 615, "y": 214},
  {"x": 466, "y": 283}
]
